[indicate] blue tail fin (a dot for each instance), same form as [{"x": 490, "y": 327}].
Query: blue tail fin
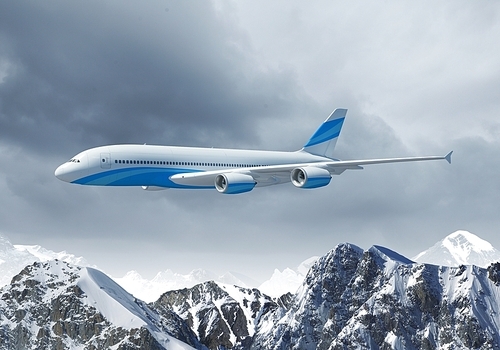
[{"x": 322, "y": 142}]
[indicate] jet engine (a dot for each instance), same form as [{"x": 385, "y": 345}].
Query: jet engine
[
  {"x": 310, "y": 177},
  {"x": 233, "y": 183}
]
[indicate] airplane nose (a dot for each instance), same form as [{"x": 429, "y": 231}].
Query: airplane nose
[
  {"x": 73, "y": 169},
  {"x": 58, "y": 172},
  {"x": 61, "y": 172}
]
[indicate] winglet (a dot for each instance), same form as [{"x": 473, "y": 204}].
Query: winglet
[{"x": 448, "y": 157}]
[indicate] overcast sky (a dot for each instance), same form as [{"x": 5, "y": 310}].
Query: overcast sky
[{"x": 418, "y": 78}]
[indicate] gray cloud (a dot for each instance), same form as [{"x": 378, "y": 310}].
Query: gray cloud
[
  {"x": 108, "y": 73},
  {"x": 418, "y": 79}
]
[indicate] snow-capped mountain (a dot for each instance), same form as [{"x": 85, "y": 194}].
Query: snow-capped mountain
[
  {"x": 13, "y": 258},
  {"x": 222, "y": 316},
  {"x": 58, "y": 305},
  {"x": 151, "y": 290},
  {"x": 460, "y": 248},
  {"x": 287, "y": 281},
  {"x": 350, "y": 298},
  {"x": 355, "y": 299}
]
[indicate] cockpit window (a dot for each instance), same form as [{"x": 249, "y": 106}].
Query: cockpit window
[{"x": 74, "y": 160}]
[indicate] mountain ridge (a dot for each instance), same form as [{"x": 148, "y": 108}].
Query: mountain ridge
[
  {"x": 350, "y": 298},
  {"x": 14, "y": 257},
  {"x": 458, "y": 248}
]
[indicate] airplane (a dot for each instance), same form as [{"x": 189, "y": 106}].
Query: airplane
[{"x": 229, "y": 171}]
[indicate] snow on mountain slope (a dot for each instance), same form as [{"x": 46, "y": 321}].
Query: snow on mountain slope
[
  {"x": 43, "y": 254},
  {"x": 55, "y": 302},
  {"x": 460, "y": 248},
  {"x": 13, "y": 258},
  {"x": 151, "y": 290},
  {"x": 287, "y": 281},
  {"x": 116, "y": 305}
]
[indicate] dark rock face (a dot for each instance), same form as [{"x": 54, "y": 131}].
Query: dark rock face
[
  {"x": 380, "y": 300},
  {"x": 221, "y": 321},
  {"x": 494, "y": 273},
  {"x": 320, "y": 298}
]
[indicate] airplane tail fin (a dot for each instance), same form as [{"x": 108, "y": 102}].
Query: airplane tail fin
[{"x": 323, "y": 141}]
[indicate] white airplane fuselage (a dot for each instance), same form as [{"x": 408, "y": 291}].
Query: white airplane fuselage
[{"x": 152, "y": 166}]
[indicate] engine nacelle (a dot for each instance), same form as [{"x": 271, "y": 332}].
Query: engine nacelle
[
  {"x": 153, "y": 188},
  {"x": 310, "y": 177},
  {"x": 233, "y": 183}
]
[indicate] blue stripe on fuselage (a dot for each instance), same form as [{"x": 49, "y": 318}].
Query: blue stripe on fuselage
[{"x": 140, "y": 176}]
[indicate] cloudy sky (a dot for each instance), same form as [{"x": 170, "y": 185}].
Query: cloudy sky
[{"x": 418, "y": 78}]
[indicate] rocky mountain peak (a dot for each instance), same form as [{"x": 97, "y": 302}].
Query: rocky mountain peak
[
  {"x": 338, "y": 263},
  {"x": 55, "y": 304},
  {"x": 222, "y": 316},
  {"x": 380, "y": 299},
  {"x": 13, "y": 258}
]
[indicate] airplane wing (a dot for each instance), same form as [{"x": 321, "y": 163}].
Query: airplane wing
[
  {"x": 360, "y": 163},
  {"x": 276, "y": 174},
  {"x": 259, "y": 176}
]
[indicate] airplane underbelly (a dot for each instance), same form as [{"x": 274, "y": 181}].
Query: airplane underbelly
[{"x": 271, "y": 179}]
